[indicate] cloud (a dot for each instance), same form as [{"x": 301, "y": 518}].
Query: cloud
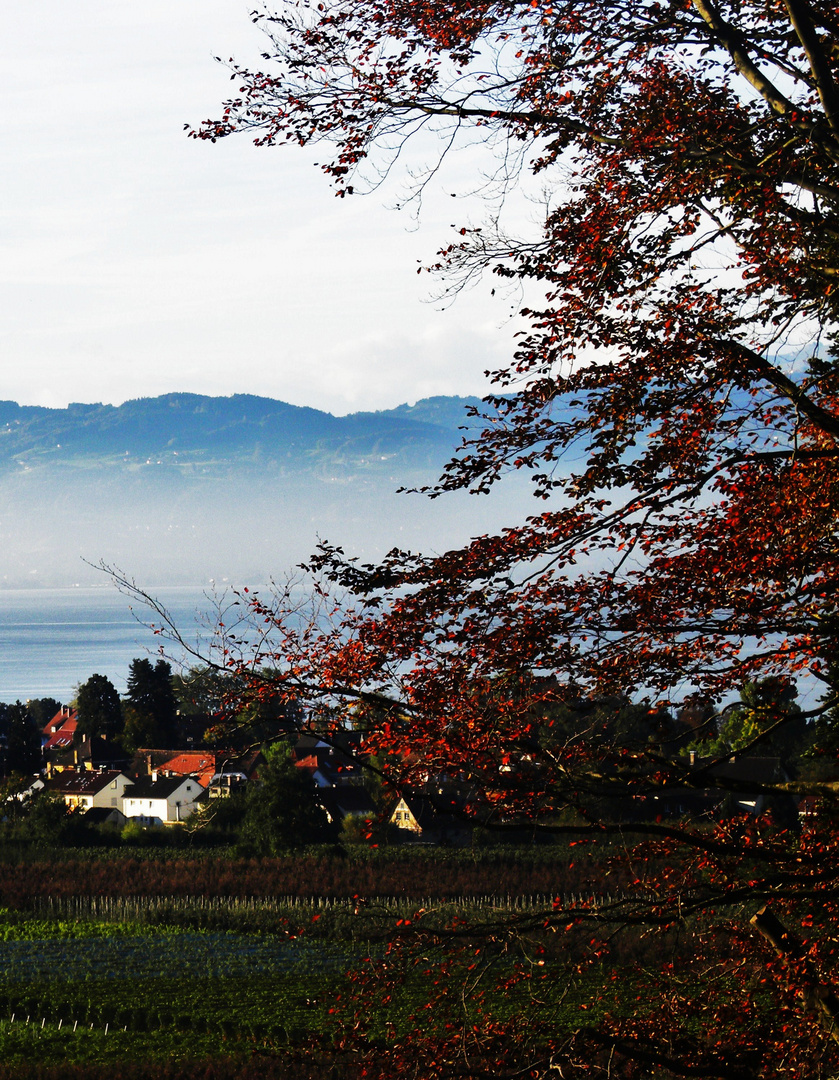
[{"x": 137, "y": 261}]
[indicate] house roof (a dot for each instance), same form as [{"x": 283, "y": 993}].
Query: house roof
[
  {"x": 82, "y": 783},
  {"x": 247, "y": 763},
  {"x": 741, "y": 778},
  {"x": 65, "y": 713},
  {"x": 100, "y": 815},
  {"x": 198, "y": 763},
  {"x": 335, "y": 763},
  {"x": 61, "y": 729},
  {"x": 97, "y": 751},
  {"x": 750, "y": 770},
  {"x": 310, "y": 744},
  {"x": 347, "y": 800},
  {"x": 162, "y": 788},
  {"x": 433, "y": 814}
]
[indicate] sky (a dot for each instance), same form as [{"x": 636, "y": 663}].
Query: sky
[{"x": 135, "y": 261}]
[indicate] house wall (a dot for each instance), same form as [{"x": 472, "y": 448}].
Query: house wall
[
  {"x": 153, "y": 811},
  {"x": 148, "y": 811},
  {"x": 112, "y": 794},
  {"x": 403, "y": 818}
]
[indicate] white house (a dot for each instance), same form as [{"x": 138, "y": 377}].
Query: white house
[
  {"x": 163, "y": 801},
  {"x": 84, "y": 790}
]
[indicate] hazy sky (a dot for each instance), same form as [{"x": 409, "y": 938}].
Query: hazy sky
[{"x": 135, "y": 261}]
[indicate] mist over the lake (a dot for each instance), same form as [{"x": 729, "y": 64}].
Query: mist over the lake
[{"x": 184, "y": 489}]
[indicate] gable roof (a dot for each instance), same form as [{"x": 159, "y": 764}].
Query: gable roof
[
  {"x": 431, "y": 815},
  {"x": 61, "y": 729},
  {"x": 335, "y": 763},
  {"x": 760, "y": 771},
  {"x": 102, "y": 815},
  {"x": 198, "y": 763},
  {"x": 164, "y": 788},
  {"x": 65, "y": 713},
  {"x": 346, "y": 801},
  {"x": 83, "y": 783}
]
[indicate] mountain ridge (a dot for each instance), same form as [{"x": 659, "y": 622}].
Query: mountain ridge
[{"x": 235, "y": 428}]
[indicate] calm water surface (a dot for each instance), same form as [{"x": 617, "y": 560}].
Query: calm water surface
[{"x": 53, "y": 639}]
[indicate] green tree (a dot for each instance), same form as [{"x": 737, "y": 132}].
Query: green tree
[
  {"x": 768, "y": 720},
  {"x": 48, "y": 822},
  {"x": 14, "y": 800},
  {"x": 150, "y": 709},
  {"x": 283, "y": 811},
  {"x": 23, "y": 740},
  {"x": 202, "y": 691},
  {"x": 98, "y": 707},
  {"x": 42, "y": 710},
  {"x": 267, "y": 715}
]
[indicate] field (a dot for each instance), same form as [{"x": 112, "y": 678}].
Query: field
[
  {"x": 118, "y": 992},
  {"x": 163, "y": 965}
]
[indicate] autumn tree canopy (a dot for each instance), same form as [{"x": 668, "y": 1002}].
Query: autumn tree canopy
[{"x": 674, "y": 397}]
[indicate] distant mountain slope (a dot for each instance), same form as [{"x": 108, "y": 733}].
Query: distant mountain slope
[
  {"x": 181, "y": 488},
  {"x": 446, "y": 412},
  {"x": 192, "y": 430}
]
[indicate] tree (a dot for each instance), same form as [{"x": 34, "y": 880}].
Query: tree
[
  {"x": 98, "y": 707},
  {"x": 150, "y": 707},
  {"x": 42, "y": 710},
  {"x": 283, "y": 811},
  {"x": 201, "y": 691},
  {"x": 21, "y": 740},
  {"x": 767, "y": 711},
  {"x": 47, "y": 822},
  {"x": 674, "y": 397}
]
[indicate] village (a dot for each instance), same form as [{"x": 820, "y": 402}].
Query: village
[
  {"x": 101, "y": 784},
  {"x": 322, "y": 789}
]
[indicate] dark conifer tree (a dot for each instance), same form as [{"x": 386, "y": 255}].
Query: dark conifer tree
[
  {"x": 42, "y": 710},
  {"x": 98, "y": 708},
  {"x": 150, "y": 708},
  {"x": 21, "y": 740}
]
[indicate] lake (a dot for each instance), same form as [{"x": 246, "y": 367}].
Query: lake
[{"x": 53, "y": 639}]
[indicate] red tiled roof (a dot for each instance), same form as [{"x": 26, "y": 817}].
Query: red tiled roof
[
  {"x": 65, "y": 717},
  {"x": 198, "y": 763},
  {"x": 62, "y": 735}
]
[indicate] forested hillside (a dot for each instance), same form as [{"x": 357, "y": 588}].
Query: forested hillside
[{"x": 193, "y": 431}]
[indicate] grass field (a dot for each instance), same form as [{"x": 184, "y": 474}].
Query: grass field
[
  {"x": 97, "y": 991},
  {"x": 93, "y": 992},
  {"x": 224, "y": 969}
]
